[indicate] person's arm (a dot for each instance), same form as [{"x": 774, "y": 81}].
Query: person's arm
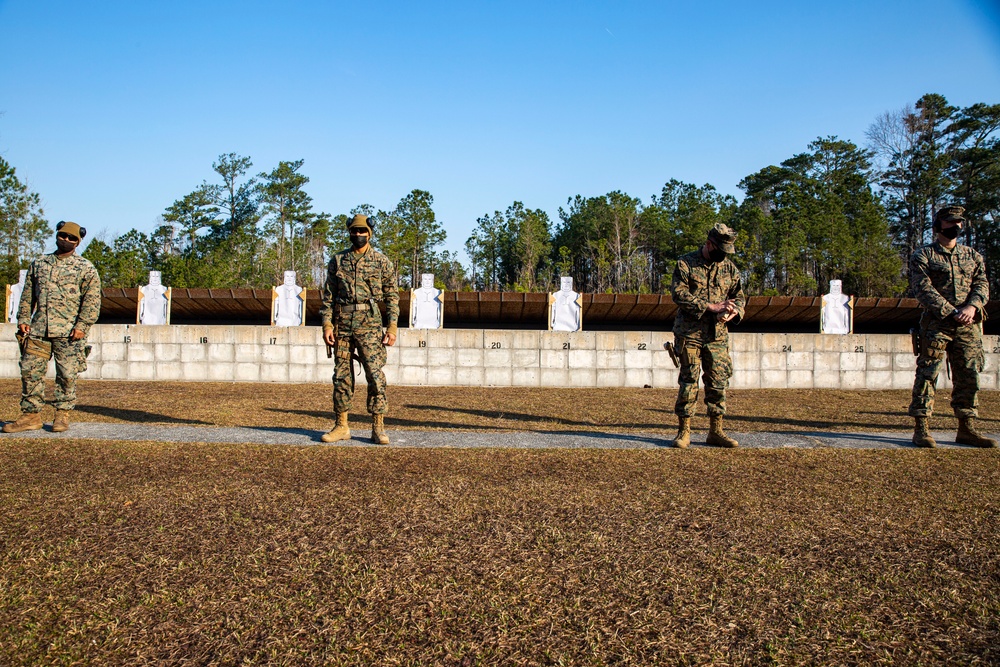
[
  {"x": 923, "y": 289},
  {"x": 390, "y": 294},
  {"x": 692, "y": 305},
  {"x": 25, "y": 305},
  {"x": 326, "y": 313},
  {"x": 90, "y": 302}
]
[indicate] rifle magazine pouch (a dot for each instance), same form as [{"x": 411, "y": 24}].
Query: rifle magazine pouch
[
  {"x": 936, "y": 348},
  {"x": 39, "y": 348},
  {"x": 343, "y": 348}
]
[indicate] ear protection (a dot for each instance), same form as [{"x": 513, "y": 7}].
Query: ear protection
[{"x": 73, "y": 228}]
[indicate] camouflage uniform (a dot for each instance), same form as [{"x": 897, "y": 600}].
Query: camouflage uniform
[
  {"x": 60, "y": 294},
  {"x": 699, "y": 336},
  {"x": 354, "y": 283},
  {"x": 943, "y": 281}
]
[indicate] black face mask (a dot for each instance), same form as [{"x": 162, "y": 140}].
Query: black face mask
[
  {"x": 64, "y": 245},
  {"x": 950, "y": 232},
  {"x": 717, "y": 255},
  {"x": 359, "y": 240}
]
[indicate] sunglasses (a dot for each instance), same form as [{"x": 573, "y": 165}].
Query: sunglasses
[{"x": 66, "y": 237}]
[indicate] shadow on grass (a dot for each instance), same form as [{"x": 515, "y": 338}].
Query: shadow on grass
[{"x": 137, "y": 416}]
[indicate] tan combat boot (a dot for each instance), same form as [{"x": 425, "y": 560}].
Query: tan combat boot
[
  {"x": 683, "y": 438},
  {"x": 28, "y": 421},
  {"x": 968, "y": 435},
  {"x": 718, "y": 437},
  {"x": 922, "y": 435},
  {"x": 379, "y": 436},
  {"x": 61, "y": 422},
  {"x": 340, "y": 432}
]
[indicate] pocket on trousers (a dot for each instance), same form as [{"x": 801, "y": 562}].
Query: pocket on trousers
[{"x": 39, "y": 348}]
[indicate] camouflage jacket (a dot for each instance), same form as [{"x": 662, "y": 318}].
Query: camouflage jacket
[
  {"x": 359, "y": 278},
  {"x": 698, "y": 282},
  {"x": 945, "y": 280},
  {"x": 60, "y": 294}
]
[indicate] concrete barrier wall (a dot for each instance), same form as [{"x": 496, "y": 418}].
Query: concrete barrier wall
[{"x": 476, "y": 357}]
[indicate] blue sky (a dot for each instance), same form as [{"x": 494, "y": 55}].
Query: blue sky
[{"x": 112, "y": 110}]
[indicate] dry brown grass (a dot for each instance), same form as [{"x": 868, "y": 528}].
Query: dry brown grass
[
  {"x": 140, "y": 553},
  {"x": 521, "y": 409}
]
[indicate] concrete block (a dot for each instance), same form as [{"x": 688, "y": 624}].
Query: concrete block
[
  {"x": 799, "y": 361},
  {"x": 638, "y": 377},
  {"x": 413, "y": 337},
  {"x": 247, "y": 372},
  {"x": 839, "y": 343},
  {"x": 498, "y": 340},
  {"x": 801, "y": 342},
  {"x": 141, "y": 370},
  {"x": 304, "y": 354},
  {"x": 554, "y": 377},
  {"x": 611, "y": 358},
  {"x": 773, "y": 379},
  {"x": 773, "y": 361},
  {"x": 500, "y": 358},
  {"x": 901, "y": 344},
  {"x": 610, "y": 340},
  {"x": 826, "y": 379},
  {"x": 391, "y": 356},
  {"x": 413, "y": 356},
  {"x": 525, "y": 340},
  {"x": 990, "y": 362},
  {"x": 438, "y": 357},
  {"x": 902, "y": 379},
  {"x": 664, "y": 378},
  {"x": 440, "y": 338},
  {"x": 223, "y": 353},
  {"x": 746, "y": 342},
  {"x": 800, "y": 379},
  {"x": 114, "y": 370},
  {"x": 568, "y": 340},
  {"x": 497, "y": 376},
  {"x": 878, "y": 361},
  {"x": 10, "y": 368},
  {"x": 880, "y": 379},
  {"x": 223, "y": 371},
  {"x": 166, "y": 370},
  {"x": 904, "y": 362},
  {"x": 747, "y": 361},
  {"x": 195, "y": 371},
  {"x": 412, "y": 375},
  {"x": 141, "y": 352},
  {"x": 610, "y": 377},
  {"x": 582, "y": 358},
  {"x": 745, "y": 379},
  {"x": 441, "y": 376},
  {"x": 269, "y": 354},
  {"x": 113, "y": 351},
  {"x": 190, "y": 334},
  {"x": 853, "y": 379},
  {"x": 110, "y": 333},
  {"x": 987, "y": 381},
  {"x": 880, "y": 344},
  {"x": 774, "y": 342},
  {"x": 638, "y": 359},
  {"x": 552, "y": 359},
  {"x": 244, "y": 352},
  {"x": 244, "y": 334},
  {"x": 311, "y": 335},
  {"x": 526, "y": 377},
  {"x": 192, "y": 354},
  {"x": 469, "y": 376},
  {"x": 391, "y": 374},
  {"x": 852, "y": 361},
  {"x": 166, "y": 352},
  {"x": 583, "y": 377},
  {"x": 638, "y": 340},
  {"x": 470, "y": 358},
  {"x": 943, "y": 381},
  {"x": 274, "y": 372},
  {"x": 826, "y": 361},
  {"x": 302, "y": 373},
  {"x": 469, "y": 338},
  {"x": 658, "y": 338},
  {"x": 660, "y": 358},
  {"x": 527, "y": 358}
]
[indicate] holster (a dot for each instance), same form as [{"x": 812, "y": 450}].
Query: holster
[
  {"x": 669, "y": 347},
  {"x": 915, "y": 341},
  {"x": 38, "y": 348}
]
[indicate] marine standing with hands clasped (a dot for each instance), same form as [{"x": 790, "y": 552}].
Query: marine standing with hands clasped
[
  {"x": 60, "y": 302},
  {"x": 707, "y": 289},
  {"x": 356, "y": 279},
  {"x": 949, "y": 280}
]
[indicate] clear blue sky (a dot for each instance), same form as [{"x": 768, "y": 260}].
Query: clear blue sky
[{"x": 112, "y": 110}]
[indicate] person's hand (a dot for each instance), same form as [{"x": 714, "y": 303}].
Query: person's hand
[
  {"x": 717, "y": 308},
  {"x": 24, "y": 329},
  {"x": 965, "y": 315},
  {"x": 328, "y": 337},
  {"x": 728, "y": 315},
  {"x": 389, "y": 340},
  {"x": 76, "y": 334}
]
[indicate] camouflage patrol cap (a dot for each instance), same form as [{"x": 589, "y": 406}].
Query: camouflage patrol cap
[
  {"x": 360, "y": 221},
  {"x": 71, "y": 228},
  {"x": 950, "y": 214},
  {"x": 723, "y": 236}
]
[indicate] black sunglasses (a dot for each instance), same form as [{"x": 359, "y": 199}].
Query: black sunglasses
[{"x": 68, "y": 237}]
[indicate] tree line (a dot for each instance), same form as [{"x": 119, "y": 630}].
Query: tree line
[{"x": 835, "y": 210}]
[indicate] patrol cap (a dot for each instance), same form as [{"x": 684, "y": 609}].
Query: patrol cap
[
  {"x": 723, "y": 236},
  {"x": 71, "y": 228},
  {"x": 359, "y": 221},
  {"x": 950, "y": 214}
]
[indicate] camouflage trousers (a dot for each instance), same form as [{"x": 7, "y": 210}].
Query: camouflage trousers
[
  {"x": 35, "y": 361},
  {"x": 366, "y": 343},
  {"x": 964, "y": 347},
  {"x": 713, "y": 355}
]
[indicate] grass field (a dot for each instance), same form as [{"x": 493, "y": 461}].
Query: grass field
[{"x": 150, "y": 553}]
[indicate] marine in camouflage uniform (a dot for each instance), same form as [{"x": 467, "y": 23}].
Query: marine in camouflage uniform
[
  {"x": 358, "y": 278},
  {"x": 60, "y": 302},
  {"x": 949, "y": 280},
  {"x": 707, "y": 289}
]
